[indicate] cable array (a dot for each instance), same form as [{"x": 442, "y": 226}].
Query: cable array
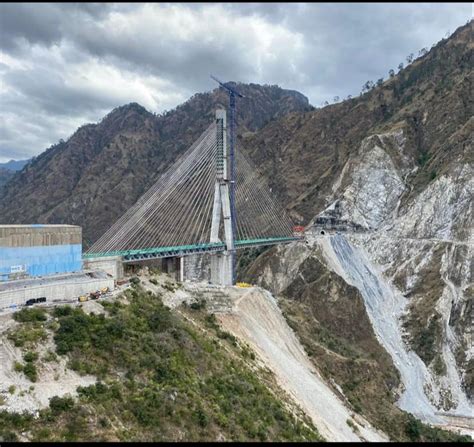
[
  {"x": 177, "y": 209},
  {"x": 259, "y": 215}
]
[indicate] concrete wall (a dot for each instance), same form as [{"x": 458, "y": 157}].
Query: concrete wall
[
  {"x": 54, "y": 291},
  {"x": 39, "y": 235},
  {"x": 113, "y": 265}
]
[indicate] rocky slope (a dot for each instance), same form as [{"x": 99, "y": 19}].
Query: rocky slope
[
  {"x": 101, "y": 170},
  {"x": 5, "y": 176},
  {"x": 399, "y": 181},
  {"x": 349, "y": 318}
]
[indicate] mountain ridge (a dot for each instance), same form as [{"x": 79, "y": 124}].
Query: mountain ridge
[{"x": 102, "y": 169}]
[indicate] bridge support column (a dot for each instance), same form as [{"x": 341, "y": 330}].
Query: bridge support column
[
  {"x": 181, "y": 269},
  {"x": 172, "y": 267},
  {"x": 221, "y": 269}
]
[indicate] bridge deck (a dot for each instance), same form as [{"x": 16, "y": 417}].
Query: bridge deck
[{"x": 187, "y": 250}]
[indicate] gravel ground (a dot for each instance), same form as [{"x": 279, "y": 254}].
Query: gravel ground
[
  {"x": 385, "y": 307},
  {"x": 257, "y": 319},
  {"x": 54, "y": 379}
]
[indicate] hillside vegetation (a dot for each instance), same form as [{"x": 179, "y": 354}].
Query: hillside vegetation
[{"x": 160, "y": 378}]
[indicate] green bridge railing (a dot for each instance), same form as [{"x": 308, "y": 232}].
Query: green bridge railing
[{"x": 183, "y": 250}]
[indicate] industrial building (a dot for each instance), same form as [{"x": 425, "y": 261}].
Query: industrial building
[
  {"x": 28, "y": 251},
  {"x": 43, "y": 264}
]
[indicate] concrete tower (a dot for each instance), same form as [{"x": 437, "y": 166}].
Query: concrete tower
[{"x": 221, "y": 263}]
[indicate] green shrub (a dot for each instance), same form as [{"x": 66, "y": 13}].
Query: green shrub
[
  {"x": 60, "y": 404},
  {"x": 201, "y": 417},
  {"x": 171, "y": 286},
  {"x": 18, "y": 367},
  {"x": 227, "y": 336},
  {"x": 12, "y": 389},
  {"x": 92, "y": 392},
  {"x": 413, "y": 429},
  {"x": 135, "y": 281},
  {"x": 30, "y": 314},
  {"x": 62, "y": 311},
  {"x": 30, "y": 356},
  {"x": 29, "y": 369},
  {"x": 154, "y": 281},
  {"x": 198, "y": 305},
  {"x": 8, "y": 436},
  {"x": 159, "y": 320},
  {"x": 50, "y": 356},
  {"x": 27, "y": 335}
]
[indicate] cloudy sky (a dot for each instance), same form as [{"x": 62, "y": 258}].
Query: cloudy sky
[{"x": 62, "y": 65}]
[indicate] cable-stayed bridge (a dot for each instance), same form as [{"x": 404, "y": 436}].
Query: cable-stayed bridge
[{"x": 189, "y": 210}]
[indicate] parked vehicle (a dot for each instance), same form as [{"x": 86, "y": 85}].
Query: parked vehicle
[
  {"x": 83, "y": 298},
  {"x": 32, "y": 301},
  {"x": 94, "y": 295}
]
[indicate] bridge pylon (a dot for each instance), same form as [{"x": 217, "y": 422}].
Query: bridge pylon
[{"x": 222, "y": 264}]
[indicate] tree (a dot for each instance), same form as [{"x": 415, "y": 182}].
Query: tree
[
  {"x": 379, "y": 82},
  {"x": 422, "y": 52},
  {"x": 349, "y": 96},
  {"x": 368, "y": 86},
  {"x": 409, "y": 58},
  {"x": 391, "y": 72},
  {"x": 326, "y": 103},
  {"x": 336, "y": 99},
  {"x": 400, "y": 66}
]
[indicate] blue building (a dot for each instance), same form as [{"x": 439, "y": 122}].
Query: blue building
[{"x": 39, "y": 250}]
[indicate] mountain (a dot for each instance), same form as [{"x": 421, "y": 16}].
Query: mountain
[
  {"x": 100, "y": 171},
  {"x": 303, "y": 155},
  {"x": 384, "y": 308},
  {"x": 14, "y": 165},
  {"x": 8, "y": 169},
  {"x": 393, "y": 172},
  {"x": 5, "y": 176}
]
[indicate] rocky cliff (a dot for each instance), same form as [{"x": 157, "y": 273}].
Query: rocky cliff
[{"x": 394, "y": 171}]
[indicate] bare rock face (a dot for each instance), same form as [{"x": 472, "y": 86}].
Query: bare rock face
[
  {"x": 444, "y": 210},
  {"x": 401, "y": 190},
  {"x": 373, "y": 183},
  {"x": 423, "y": 244}
]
